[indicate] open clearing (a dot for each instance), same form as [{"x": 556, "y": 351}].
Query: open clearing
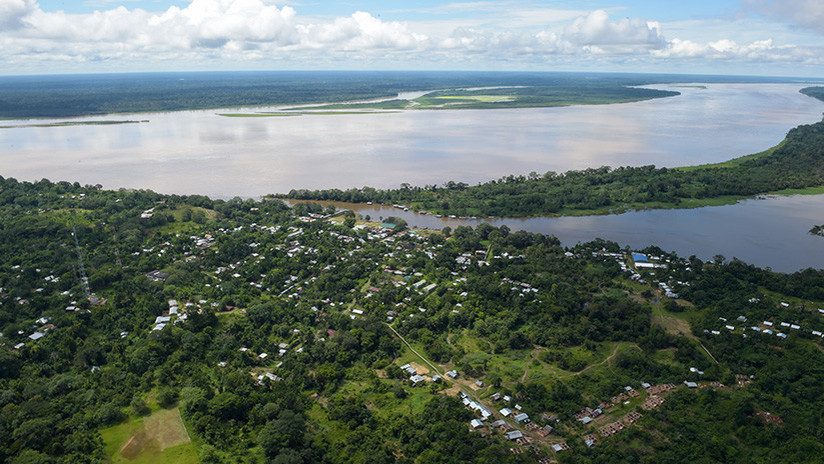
[
  {"x": 159, "y": 438},
  {"x": 673, "y": 325}
]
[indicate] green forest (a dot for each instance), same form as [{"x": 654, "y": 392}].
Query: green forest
[
  {"x": 64, "y": 96},
  {"x": 140, "y": 327},
  {"x": 795, "y": 164}
]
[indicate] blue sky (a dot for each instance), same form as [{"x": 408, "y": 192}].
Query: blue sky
[{"x": 758, "y": 37}]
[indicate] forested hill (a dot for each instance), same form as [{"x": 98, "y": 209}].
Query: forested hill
[{"x": 797, "y": 163}]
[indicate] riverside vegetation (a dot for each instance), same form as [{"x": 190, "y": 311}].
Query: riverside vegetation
[
  {"x": 795, "y": 164},
  {"x": 245, "y": 331}
]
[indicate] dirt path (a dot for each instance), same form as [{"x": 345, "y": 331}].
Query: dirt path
[
  {"x": 605, "y": 361},
  {"x": 526, "y": 370},
  {"x": 435, "y": 369},
  {"x": 708, "y": 352}
]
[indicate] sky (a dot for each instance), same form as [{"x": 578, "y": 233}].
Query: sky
[{"x": 733, "y": 37}]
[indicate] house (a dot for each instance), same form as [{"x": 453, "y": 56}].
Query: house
[
  {"x": 37, "y": 336},
  {"x": 514, "y": 435},
  {"x": 453, "y": 373},
  {"x": 586, "y": 420},
  {"x": 496, "y": 396},
  {"x": 479, "y": 383},
  {"x": 500, "y": 423},
  {"x": 590, "y": 441},
  {"x": 558, "y": 447},
  {"x": 521, "y": 418},
  {"x": 506, "y": 412},
  {"x": 416, "y": 379},
  {"x": 690, "y": 384},
  {"x": 476, "y": 423}
]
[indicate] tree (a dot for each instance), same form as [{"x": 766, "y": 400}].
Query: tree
[
  {"x": 139, "y": 407},
  {"x": 166, "y": 397}
]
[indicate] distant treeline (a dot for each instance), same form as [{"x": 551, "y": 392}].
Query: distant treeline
[
  {"x": 95, "y": 94},
  {"x": 795, "y": 164}
]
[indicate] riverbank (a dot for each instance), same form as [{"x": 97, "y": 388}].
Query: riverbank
[{"x": 796, "y": 165}]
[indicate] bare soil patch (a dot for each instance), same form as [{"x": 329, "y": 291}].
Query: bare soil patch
[{"x": 422, "y": 370}]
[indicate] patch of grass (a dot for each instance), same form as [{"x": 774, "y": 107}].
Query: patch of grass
[
  {"x": 807, "y": 191},
  {"x": 386, "y": 105},
  {"x": 257, "y": 115},
  {"x": 158, "y": 438}
]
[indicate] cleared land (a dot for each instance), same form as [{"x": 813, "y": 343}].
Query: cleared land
[{"x": 158, "y": 438}]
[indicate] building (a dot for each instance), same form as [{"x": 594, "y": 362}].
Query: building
[{"x": 521, "y": 418}]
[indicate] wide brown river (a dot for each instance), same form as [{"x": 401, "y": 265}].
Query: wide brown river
[{"x": 204, "y": 153}]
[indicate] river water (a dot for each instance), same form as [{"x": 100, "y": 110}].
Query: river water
[
  {"x": 768, "y": 232},
  {"x": 202, "y": 152}
]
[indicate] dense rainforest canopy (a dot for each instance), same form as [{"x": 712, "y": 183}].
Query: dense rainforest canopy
[{"x": 160, "y": 328}]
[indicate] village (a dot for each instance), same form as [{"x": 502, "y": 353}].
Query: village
[{"x": 324, "y": 271}]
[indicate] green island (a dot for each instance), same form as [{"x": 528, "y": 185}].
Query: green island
[
  {"x": 508, "y": 97},
  {"x": 147, "y": 328},
  {"x": 796, "y": 165}
]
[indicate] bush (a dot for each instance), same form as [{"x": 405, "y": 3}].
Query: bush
[
  {"x": 139, "y": 407},
  {"x": 166, "y": 397}
]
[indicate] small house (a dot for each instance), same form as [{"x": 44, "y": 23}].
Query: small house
[{"x": 521, "y": 418}]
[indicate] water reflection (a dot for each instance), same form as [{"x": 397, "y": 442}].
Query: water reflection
[
  {"x": 770, "y": 232},
  {"x": 202, "y": 152}
]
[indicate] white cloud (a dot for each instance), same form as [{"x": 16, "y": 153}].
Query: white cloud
[
  {"x": 361, "y": 31},
  {"x": 12, "y": 13},
  {"x": 249, "y": 31},
  {"x": 805, "y": 13},
  {"x": 595, "y": 29},
  {"x": 762, "y": 50}
]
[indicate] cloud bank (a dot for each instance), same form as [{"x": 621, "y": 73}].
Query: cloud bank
[{"x": 256, "y": 31}]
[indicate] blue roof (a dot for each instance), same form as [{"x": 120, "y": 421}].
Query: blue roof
[{"x": 640, "y": 258}]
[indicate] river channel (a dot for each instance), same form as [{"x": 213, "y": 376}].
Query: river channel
[{"x": 202, "y": 152}]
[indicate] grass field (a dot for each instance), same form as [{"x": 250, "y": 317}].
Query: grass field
[{"x": 159, "y": 438}]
